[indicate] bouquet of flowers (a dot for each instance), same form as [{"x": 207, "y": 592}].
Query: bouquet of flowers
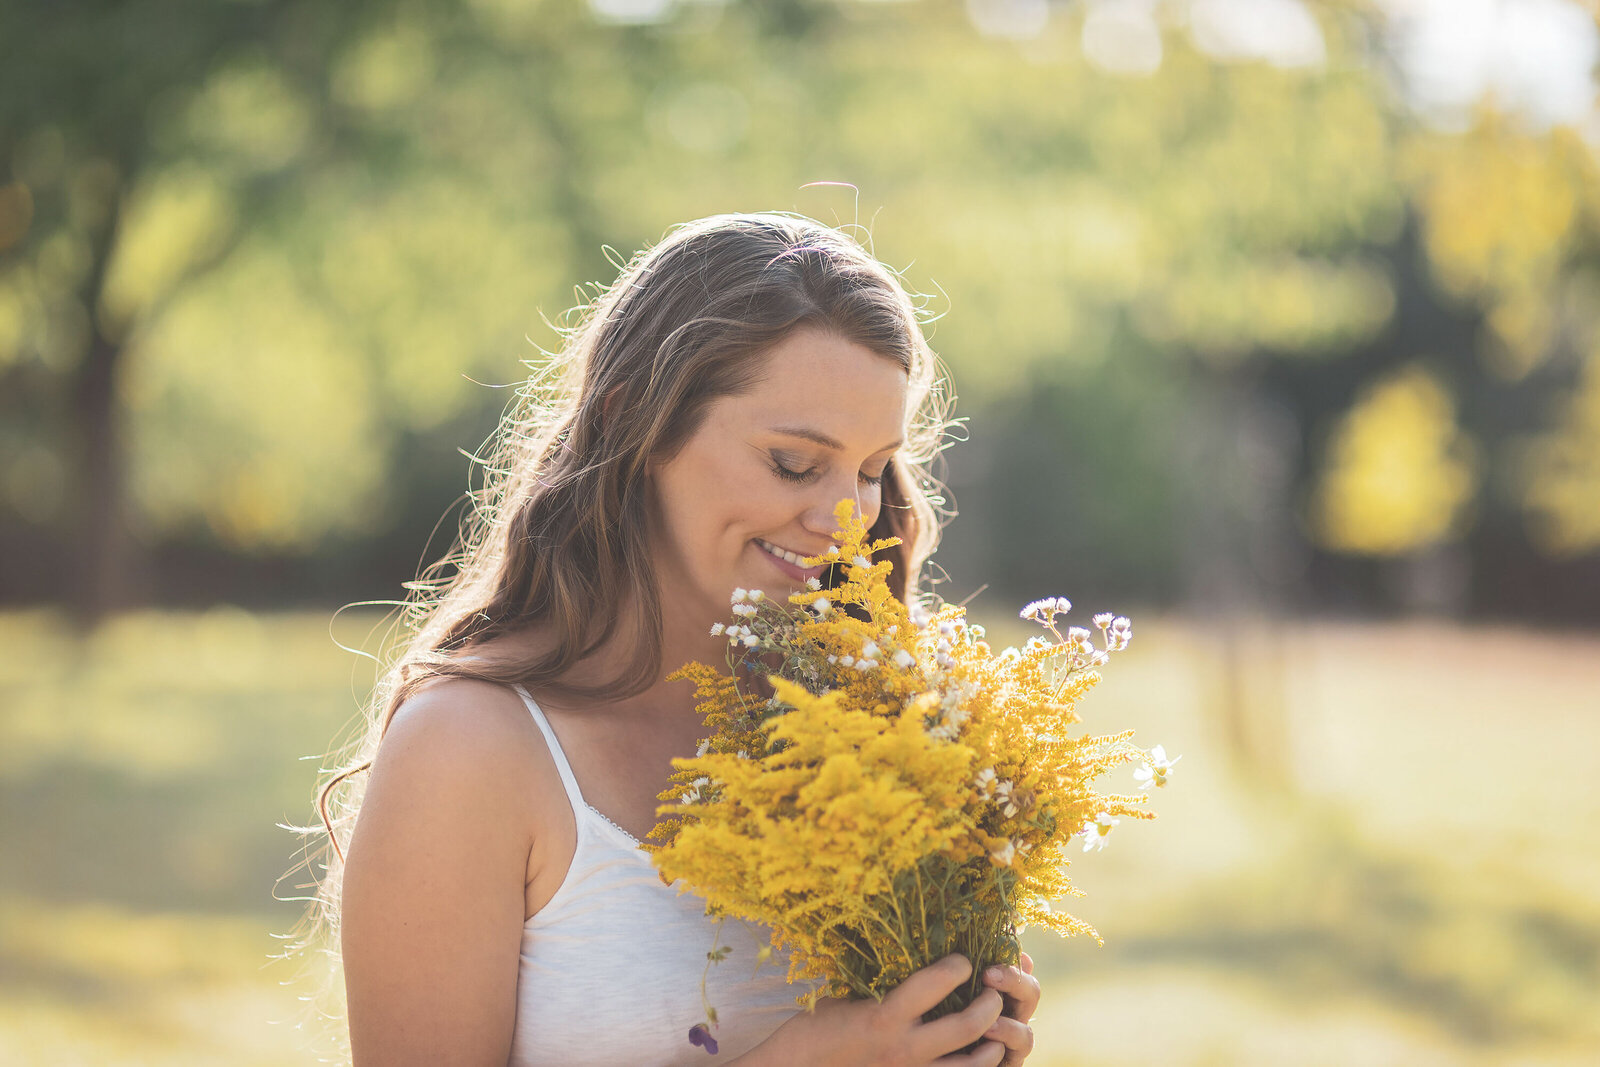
[{"x": 905, "y": 793}]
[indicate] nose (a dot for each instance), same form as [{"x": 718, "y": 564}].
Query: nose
[{"x": 819, "y": 518}]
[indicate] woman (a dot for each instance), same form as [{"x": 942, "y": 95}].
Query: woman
[{"x": 715, "y": 403}]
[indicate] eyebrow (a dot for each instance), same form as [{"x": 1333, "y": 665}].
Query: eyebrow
[{"x": 818, "y": 437}]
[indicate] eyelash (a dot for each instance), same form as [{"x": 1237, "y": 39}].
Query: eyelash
[{"x": 800, "y": 477}]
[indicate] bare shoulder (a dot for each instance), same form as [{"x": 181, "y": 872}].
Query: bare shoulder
[
  {"x": 433, "y": 885},
  {"x": 465, "y": 716}
]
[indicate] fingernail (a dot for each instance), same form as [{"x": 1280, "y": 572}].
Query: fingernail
[{"x": 994, "y": 974}]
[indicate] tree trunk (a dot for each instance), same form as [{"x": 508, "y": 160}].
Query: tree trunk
[{"x": 98, "y": 531}]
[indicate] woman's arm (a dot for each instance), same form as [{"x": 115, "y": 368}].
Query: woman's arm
[{"x": 432, "y": 911}]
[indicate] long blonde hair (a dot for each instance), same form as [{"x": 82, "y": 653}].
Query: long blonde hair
[{"x": 558, "y": 534}]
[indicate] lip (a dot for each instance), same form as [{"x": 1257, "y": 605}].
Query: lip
[{"x": 799, "y": 574}]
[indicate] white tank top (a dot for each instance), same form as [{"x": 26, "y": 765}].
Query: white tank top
[{"x": 611, "y": 966}]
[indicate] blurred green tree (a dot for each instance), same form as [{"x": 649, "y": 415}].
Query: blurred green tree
[{"x": 252, "y": 255}]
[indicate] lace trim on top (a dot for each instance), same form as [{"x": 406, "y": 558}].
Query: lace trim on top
[{"x": 608, "y": 819}]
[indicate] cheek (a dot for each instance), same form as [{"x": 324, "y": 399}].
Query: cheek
[{"x": 871, "y": 504}]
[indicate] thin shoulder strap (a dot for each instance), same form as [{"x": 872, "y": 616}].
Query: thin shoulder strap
[{"x": 574, "y": 794}]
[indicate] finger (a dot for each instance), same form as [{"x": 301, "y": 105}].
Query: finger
[
  {"x": 1027, "y": 963},
  {"x": 926, "y": 988},
  {"x": 1016, "y": 1037},
  {"x": 962, "y": 1028},
  {"x": 1020, "y": 988},
  {"x": 988, "y": 1054}
]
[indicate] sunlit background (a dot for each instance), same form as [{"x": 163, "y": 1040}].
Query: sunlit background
[{"x": 1275, "y": 326}]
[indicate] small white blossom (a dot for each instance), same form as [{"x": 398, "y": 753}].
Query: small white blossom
[
  {"x": 866, "y": 664},
  {"x": 833, "y": 550},
  {"x": 716, "y": 628},
  {"x": 861, "y": 561},
  {"x": 1005, "y": 854},
  {"x": 903, "y": 659},
  {"x": 751, "y": 641},
  {"x": 738, "y": 595},
  {"x": 822, "y": 606},
  {"x": 1044, "y": 611},
  {"x": 985, "y": 782},
  {"x": 1103, "y": 619},
  {"x": 744, "y": 609},
  {"x": 1097, "y": 830},
  {"x": 813, "y": 584},
  {"x": 755, "y": 594},
  {"x": 705, "y": 746},
  {"x": 869, "y": 649},
  {"x": 1156, "y": 773},
  {"x": 919, "y": 615},
  {"x": 832, "y": 658},
  {"x": 1120, "y": 634},
  {"x": 1003, "y": 797},
  {"x": 848, "y": 660}
]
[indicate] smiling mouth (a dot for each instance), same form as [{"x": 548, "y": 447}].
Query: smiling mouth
[
  {"x": 787, "y": 561},
  {"x": 782, "y": 553}
]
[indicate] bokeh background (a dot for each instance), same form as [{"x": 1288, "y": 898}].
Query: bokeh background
[{"x": 1275, "y": 325}]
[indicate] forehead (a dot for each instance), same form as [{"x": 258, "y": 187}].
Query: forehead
[{"x": 821, "y": 381}]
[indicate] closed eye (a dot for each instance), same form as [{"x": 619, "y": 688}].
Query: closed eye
[{"x": 801, "y": 477}]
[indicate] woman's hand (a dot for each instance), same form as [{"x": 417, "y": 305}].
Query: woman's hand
[
  {"x": 891, "y": 1033},
  {"x": 1021, "y": 991}
]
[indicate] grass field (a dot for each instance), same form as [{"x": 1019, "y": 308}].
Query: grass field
[{"x": 1382, "y": 845}]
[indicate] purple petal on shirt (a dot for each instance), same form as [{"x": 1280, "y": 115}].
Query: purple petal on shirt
[{"x": 699, "y": 1035}]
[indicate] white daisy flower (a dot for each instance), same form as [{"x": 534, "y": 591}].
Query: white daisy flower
[
  {"x": 813, "y": 584},
  {"x": 716, "y": 628},
  {"x": 1156, "y": 773},
  {"x": 903, "y": 659},
  {"x": 738, "y": 595},
  {"x": 1097, "y": 830}
]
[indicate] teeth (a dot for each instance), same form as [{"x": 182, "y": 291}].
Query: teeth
[{"x": 781, "y": 553}]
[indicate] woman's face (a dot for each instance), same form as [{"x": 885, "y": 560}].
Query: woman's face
[{"x": 765, "y": 470}]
